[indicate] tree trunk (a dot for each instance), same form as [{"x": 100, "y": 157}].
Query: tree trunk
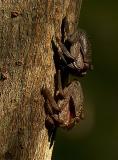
[{"x": 26, "y": 64}]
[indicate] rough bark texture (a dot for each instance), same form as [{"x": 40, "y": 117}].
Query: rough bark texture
[{"x": 26, "y": 64}]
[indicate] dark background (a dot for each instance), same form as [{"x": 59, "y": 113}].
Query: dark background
[{"x": 96, "y": 138}]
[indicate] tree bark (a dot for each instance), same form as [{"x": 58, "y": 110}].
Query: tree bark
[{"x": 26, "y": 65}]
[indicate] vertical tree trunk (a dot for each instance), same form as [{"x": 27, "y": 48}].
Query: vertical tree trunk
[{"x": 26, "y": 64}]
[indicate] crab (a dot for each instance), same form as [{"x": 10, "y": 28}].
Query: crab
[
  {"x": 75, "y": 53},
  {"x": 66, "y": 112}
]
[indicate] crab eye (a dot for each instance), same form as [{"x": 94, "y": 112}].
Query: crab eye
[
  {"x": 84, "y": 73},
  {"x": 77, "y": 119}
]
